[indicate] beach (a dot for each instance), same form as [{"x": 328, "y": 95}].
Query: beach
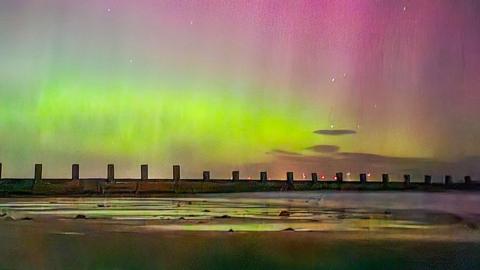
[{"x": 288, "y": 230}]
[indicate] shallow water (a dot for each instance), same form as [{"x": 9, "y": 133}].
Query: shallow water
[{"x": 295, "y": 230}]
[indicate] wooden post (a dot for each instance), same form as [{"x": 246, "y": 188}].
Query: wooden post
[
  {"x": 339, "y": 177},
  {"x": 110, "y": 173},
  {"x": 144, "y": 172},
  {"x": 263, "y": 176},
  {"x": 290, "y": 178},
  {"x": 385, "y": 178},
  {"x": 448, "y": 180},
  {"x": 176, "y": 173},
  {"x": 0, "y": 170},
  {"x": 38, "y": 172},
  {"x": 235, "y": 175},
  {"x": 363, "y": 178},
  {"x": 428, "y": 179},
  {"x": 206, "y": 175},
  {"x": 468, "y": 179},
  {"x": 406, "y": 179},
  {"x": 314, "y": 178},
  {"x": 75, "y": 171}
]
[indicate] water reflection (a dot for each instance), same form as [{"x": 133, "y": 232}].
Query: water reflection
[{"x": 243, "y": 231}]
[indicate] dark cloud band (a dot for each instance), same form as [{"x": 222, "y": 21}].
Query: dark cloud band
[
  {"x": 324, "y": 148},
  {"x": 335, "y": 132}
]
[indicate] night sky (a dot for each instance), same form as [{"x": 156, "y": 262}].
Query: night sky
[{"x": 310, "y": 86}]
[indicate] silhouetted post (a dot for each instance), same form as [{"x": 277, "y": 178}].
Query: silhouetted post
[
  {"x": 75, "y": 171},
  {"x": 406, "y": 179},
  {"x": 110, "y": 173},
  {"x": 176, "y": 173},
  {"x": 314, "y": 177},
  {"x": 263, "y": 176},
  {"x": 0, "y": 170},
  {"x": 385, "y": 178},
  {"x": 339, "y": 177},
  {"x": 468, "y": 180},
  {"x": 448, "y": 180},
  {"x": 206, "y": 175},
  {"x": 38, "y": 172},
  {"x": 428, "y": 179},
  {"x": 290, "y": 178},
  {"x": 144, "y": 172},
  {"x": 363, "y": 178},
  {"x": 235, "y": 175}
]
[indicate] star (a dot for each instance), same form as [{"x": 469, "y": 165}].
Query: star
[
  {"x": 109, "y": 9},
  {"x": 404, "y": 8},
  {"x": 332, "y": 80}
]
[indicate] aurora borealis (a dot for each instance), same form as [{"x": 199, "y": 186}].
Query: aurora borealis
[{"x": 222, "y": 85}]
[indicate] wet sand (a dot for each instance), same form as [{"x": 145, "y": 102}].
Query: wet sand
[{"x": 295, "y": 230}]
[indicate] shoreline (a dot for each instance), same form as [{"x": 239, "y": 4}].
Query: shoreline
[{"x": 159, "y": 187}]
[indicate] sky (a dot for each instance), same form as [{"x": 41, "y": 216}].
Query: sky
[{"x": 306, "y": 86}]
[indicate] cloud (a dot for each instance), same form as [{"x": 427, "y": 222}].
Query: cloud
[
  {"x": 335, "y": 132},
  {"x": 374, "y": 158},
  {"x": 329, "y": 163},
  {"x": 283, "y": 152},
  {"x": 324, "y": 148}
]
